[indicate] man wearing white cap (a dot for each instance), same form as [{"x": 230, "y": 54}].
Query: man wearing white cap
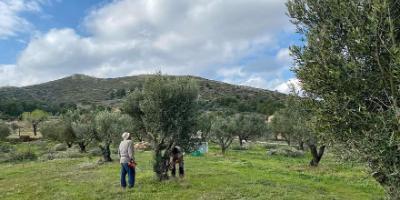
[{"x": 125, "y": 152}]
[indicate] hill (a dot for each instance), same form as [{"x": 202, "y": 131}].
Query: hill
[{"x": 86, "y": 90}]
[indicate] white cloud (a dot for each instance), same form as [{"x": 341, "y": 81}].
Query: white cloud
[
  {"x": 286, "y": 86},
  {"x": 178, "y": 37},
  {"x": 283, "y": 56},
  {"x": 231, "y": 72},
  {"x": 11, "y": 22}
]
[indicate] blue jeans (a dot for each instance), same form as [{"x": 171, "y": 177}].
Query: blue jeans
[{"x": 125, "y": 169}]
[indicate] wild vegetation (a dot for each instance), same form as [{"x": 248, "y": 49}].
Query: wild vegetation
[{"x": 351, "y": 64}]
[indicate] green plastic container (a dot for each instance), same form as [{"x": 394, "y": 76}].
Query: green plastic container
[{"x": 197, "y": 153}]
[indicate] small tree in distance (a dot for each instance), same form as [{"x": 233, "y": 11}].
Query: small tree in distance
[
  {"x": 4, "y": 130},
  {"x": 109, "y": 127},
  {"x": 222, "y": 132},
  {"x": 83, "y": 127},
  {"x": 35, "y": 118},
  {"x": 249, "y": 126},
  {"x": 204, "y": 123}
]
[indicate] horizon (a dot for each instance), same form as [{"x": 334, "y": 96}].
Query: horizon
[{"x": 241, "y": 43}]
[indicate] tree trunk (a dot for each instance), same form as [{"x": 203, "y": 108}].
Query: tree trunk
[
  {"x": 301, "y": 145},
  {"x": 19, "y": 132},
  {"x": 106, "y": 152},
  {"x": 241, "y": 141},
  {"x": 223, "y": 150},
  {"x": 69, "y": 144},
  {"x": 82, "y": 147},
  {"x": 317, "y": 155},
  {"x": 161, "y": 165},
  {"x": 34, "y": 125}
]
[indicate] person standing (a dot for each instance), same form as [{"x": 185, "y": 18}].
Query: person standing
[{"x": 125, "y": 152}]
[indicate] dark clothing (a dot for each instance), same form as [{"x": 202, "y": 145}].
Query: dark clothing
[
  {"x": 181, "y": 169},
  {"x": 177, "y": 158},
  {"x": 125, "y": 169}
]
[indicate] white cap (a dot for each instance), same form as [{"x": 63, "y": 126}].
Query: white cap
[{"x": 125, "y": 135}]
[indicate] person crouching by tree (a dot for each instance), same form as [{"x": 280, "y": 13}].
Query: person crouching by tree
[
  {"x": 177, "y": 158},
  {"x": 127, "y": 160}
]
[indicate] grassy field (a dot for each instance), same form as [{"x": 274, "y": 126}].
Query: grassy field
[{"x": 249, "y": 174}]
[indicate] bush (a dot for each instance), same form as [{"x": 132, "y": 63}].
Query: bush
[
  {"x": 22, "y": 156},
  {"x": 287, "y": 151},
  {"x": 240, "y": 148},
  {"x": 51, "y": 130},
  {"x": 6, "y": 148},
  {"x": 70, "y": 153},
  {"x": 4, "y": 130}
]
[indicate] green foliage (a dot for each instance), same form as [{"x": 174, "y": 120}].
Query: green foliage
[
  {"x": 259, "y": 104},
  {"x": 51, "y": 130},
  {"x": 117, "y": 93},
  {"x": 109, "y": 127},
  {"x": 82, "y": 126},
  {"x": 18, "y": 156},
  {"x": 204, "y": 122},
  {"x": 294, "y": 121},
  {"x": 351, "y": 63},
  {"x": 166, "y": 111},
  {"x": 4, "y": 130},
  {"x": 223, "y": 131},
  {"x": 249, "y": 126},
  {"x": 6, "y": 148},
  {"x": 297, "y": 122},
  {"x": 65, "y": 94},
  {"x": 35, "y": 118}
]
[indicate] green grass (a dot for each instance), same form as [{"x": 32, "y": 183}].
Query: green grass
[{"x": 249, "y": 174}]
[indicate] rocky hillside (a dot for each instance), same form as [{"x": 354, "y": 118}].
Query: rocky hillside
[{"x": 86, "y": 90}]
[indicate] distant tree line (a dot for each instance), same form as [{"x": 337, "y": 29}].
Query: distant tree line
[
  {"x": 260, "y": 104},
  {"x": 11, "y": 109}
]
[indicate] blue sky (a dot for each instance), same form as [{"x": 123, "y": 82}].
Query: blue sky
[{"x": 236, "y": 41}]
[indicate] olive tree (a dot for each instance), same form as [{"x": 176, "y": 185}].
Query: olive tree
[
  {"x": 58, "y": 130},
  {"x": 297, "y": 119},
  {"x": 166, "y": 111},
  {"x": 249, "y": 126},
  {"x": 280, "y": 124},
  {"x": 14, "y": 127},
  {"x": 204, "y": 125},
  {"x": 222, "y": 131},
  {"x": 109, "y": 126},
  {"x": 35, "y": 118},
  {"x": 83, "y": 127},
  {"x": 4, "y": 130},
  {"x": 350, "y": 62}
]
